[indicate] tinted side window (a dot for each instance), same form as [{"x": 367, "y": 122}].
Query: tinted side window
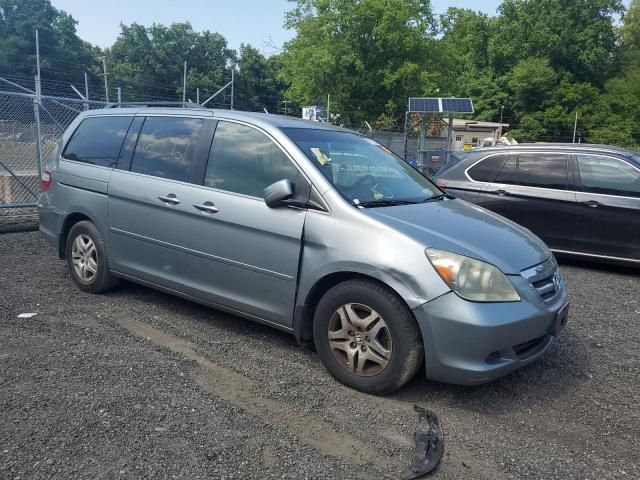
[
  {"x": 508, "y": 174},
  {"x": 167, "y": 146},
  {"x": 543, "y": 170},
  {"x": 244, "y": 160},
  {"x": 608, "y": 176},
  {"x": 486, "y": 170},
  {"x": 98, "y": 140}
]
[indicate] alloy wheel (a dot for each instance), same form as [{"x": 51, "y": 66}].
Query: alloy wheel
[
  {"x": 84, "y": 257},
  {"x": 360, "y": 339}
]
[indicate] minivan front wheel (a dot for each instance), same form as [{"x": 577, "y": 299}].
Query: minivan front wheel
[
  {"x": 87, "y": 259},
  {"x": 367, "y": 337}
]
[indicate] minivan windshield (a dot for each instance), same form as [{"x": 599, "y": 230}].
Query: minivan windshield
[{"x": 363, "y": 171}]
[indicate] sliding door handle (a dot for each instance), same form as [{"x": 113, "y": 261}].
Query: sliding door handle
[
  {"x": 171, "y": 199},
  {"x": 207, "y": 207}
]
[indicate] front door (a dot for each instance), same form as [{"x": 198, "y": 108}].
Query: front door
[
  {"x": 252, "y": 260},
  {"x": 609, "y": 199}
]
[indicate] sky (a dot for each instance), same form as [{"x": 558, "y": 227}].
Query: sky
[{"x": 258, "y": 22}]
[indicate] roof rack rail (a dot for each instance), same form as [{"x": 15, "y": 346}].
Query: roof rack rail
[{"x": 154, "y": 104}]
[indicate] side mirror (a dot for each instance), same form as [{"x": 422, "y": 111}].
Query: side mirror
[{"x": 276, "y": 193}]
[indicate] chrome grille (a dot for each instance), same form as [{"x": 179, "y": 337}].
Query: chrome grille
[{"x": 544, "y": 278}]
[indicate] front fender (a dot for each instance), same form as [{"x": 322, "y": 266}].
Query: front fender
[{"x": 405, "y": 285}]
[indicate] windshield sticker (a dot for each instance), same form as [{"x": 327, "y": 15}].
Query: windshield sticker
[{"x": 320, "y": 156}]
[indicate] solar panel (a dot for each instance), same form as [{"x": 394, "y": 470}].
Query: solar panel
[
  {"x": 440, "y": 105},
  {"x": 426, "y": 105},
  {"x": 457, "y": 105}
]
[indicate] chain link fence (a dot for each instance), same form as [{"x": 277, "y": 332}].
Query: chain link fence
[{"x": 30, "y": 126}]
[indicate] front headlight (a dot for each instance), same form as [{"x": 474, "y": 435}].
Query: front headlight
[{"x": 472, "y": 279}]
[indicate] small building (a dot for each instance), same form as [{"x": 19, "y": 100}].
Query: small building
[{"x": 472, "y": 132}]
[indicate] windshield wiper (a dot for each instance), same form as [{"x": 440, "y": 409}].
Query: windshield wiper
[
  {"x": 384, "y": 203},
  {"x": 435, "y": 198}
]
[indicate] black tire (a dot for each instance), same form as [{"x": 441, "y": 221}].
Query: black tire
[
  {"x": 407, "y": 351},
  {"x": 102, "y": 280}
]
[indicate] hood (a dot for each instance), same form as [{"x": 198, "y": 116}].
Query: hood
[{"x": 466, "y": 229}]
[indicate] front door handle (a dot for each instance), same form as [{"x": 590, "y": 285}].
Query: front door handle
[
  {"x": 591, "y": 203},
  {"x": 501, "y": 193},
  {"x": 171, "y": 199},
  {"x": 207, "y": 207}
]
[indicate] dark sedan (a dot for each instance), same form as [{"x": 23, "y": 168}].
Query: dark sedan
[{"x": 581, "y": 200}]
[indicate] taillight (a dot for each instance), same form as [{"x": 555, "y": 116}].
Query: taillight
[
  {"x": 45, "y": 180},
  {"x": 441, "y": 184}
]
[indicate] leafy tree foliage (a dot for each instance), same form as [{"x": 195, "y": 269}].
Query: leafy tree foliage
[
  {"x": 257, "y": 86},
  {"x": 537, "y": 63},
  {"x": 630, "y": 33},
  {"x": 369, "y": 55},
  {"x": 542, "y": 60},
  {"x": 575, "y": 36},
  {"x": 147, "y": 62},
  {"x": 60, "y": 46}
]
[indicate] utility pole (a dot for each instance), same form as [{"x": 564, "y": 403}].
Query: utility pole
[
  {"x": 119, "y": 96},
  {"x": 106, "y": 83},
  {"x": 184, "y": 83},
  {"x": 86, "y": 90},
  {"x": 285, "y": 107},
  {"x": 36, "y": 107},
  {"x": 38, "y": 55},
  {"x": 575, "y": 127},
  {"x": 328, "y": 108},
  {"x": 233, "y": 67},
  {"x": 198, "y": 95},
  {"x": 449, "y": 137},
  {"x": 501, "y": 112}
]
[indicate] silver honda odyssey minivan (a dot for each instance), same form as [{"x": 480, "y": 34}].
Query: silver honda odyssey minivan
[{"x": 310, "y": 228}]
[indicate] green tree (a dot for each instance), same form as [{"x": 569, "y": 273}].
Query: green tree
[
  {"x": 147, "y": 62},
  {"x": 369, "y": 55},
  {"x": 575, "y": 36},
  {"x": 257, "y": 85},
  {"x": 465, "y": 37},
  {"x": 63, "y": 55},
  {"x": 630, "y": 33},
  {"x": 530, "y": 82}
]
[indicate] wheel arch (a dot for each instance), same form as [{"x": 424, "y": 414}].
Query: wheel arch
[
  {"x": 69, "y": 221},
  {"x": 304, "y": 311}
]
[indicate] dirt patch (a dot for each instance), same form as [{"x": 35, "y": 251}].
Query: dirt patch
[{"x": 244, "y": 393}]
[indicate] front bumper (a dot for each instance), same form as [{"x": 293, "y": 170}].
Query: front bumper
[{"x": 470, "y": 343}]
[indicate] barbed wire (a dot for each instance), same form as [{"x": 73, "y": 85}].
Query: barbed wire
[{"x": 146, "y": 89}]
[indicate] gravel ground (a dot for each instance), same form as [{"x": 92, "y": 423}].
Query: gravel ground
[
  {"x": 139, "y": 384},
  {"x": 18, "y": 219}
]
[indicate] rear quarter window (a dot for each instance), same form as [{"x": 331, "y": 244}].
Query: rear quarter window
[
  {"x": 486, "y": 169},
  {"x": 98, "y": 140}
]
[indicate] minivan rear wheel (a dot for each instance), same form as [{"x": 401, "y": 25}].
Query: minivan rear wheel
[
  {"x": 367, "y": 337},
  {"x": 87, "y": 259}
]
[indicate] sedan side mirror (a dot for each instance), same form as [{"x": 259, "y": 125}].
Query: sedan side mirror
[{"x": 276, "y": 193}]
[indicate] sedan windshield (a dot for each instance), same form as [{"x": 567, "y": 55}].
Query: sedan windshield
[{"x": 364, "y": 172}]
